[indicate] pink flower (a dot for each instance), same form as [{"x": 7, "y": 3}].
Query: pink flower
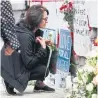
[
  {"x": 97, "y": 70},
  {"x": 95, "y": 80}
]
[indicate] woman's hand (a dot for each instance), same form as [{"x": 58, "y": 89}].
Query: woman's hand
[
  {"x": 8, "y": 51},
  {"x": 41, "y": 41}
]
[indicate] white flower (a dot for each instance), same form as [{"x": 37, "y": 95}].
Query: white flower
[
  {"x": 89, "y": 69},
  {"x": 80, "y": 82},
  {"x": 75, "y": 87},
  {"x": 84, "y": 77},
  {"x": 50, "y": 33},
  {"x": 89, "y": 87},
  {"x": 81, "y": 70},
  {"x": 75, "y": 79},
  {"x": 94, "y": 96}
]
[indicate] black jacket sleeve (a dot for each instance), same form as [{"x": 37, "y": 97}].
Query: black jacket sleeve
[{"x": 29, "y": 57}]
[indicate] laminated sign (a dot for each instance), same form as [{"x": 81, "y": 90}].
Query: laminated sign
[
  {"x": 47, "y": 32},
  {"x": 63, "y": 62}
]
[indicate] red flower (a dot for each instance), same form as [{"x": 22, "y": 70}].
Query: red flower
[
  {"x": 90, "y": 28},
  {"x": 70, "y": 4},
  {"x": 63, "y": 7}
]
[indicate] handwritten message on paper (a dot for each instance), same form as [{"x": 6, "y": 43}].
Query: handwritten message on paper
[{"x": 81, "y": 31}]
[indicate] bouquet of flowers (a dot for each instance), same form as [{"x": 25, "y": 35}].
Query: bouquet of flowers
[
  {"x": 68, "y": 10},
  {"x": 87, "y": 77}
]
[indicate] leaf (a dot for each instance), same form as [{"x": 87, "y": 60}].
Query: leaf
[{"x": 90, "y": 77}]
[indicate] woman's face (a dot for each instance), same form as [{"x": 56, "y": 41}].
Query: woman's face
[{"x": 44, "y": 20}]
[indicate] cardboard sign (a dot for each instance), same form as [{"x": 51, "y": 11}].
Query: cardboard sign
[
  {"x": 63, "y": 62},
  {"x": 82, "y": 43}
]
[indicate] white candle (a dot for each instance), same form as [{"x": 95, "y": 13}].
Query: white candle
[{"x": 68, "y": 82}]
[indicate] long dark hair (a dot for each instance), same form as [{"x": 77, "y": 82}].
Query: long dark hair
[{"x": 34, "y": 16}]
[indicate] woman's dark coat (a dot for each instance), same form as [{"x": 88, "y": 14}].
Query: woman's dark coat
[{"x": 15, "y": 69}]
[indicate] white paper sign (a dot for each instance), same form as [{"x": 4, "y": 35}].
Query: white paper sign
[{"x": 82, "y": 43}]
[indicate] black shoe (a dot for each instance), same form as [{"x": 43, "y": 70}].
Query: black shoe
[
  {"x": 42, "y": 89},
  {"x": 9, "y": 89}
]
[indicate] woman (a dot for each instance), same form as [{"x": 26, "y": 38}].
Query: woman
[{"x": 34, "y": 52}]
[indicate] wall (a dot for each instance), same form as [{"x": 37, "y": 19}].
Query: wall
[
  {"x": 56, "y": 18},
  {"x": 92, "y": 9}
]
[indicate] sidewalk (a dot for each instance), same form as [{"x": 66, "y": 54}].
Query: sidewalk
[{"x": 28, "y": 93}]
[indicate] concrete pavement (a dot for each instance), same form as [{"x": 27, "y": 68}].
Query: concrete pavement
[{"x": 28, "y": 93}]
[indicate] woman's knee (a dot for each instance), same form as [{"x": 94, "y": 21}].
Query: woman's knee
[{"x": 44, "y": 71}]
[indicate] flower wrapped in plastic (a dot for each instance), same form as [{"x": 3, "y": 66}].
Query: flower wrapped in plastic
[
  {"x": 87, "y": 76},
  {"x": 54, "y": 55}
]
